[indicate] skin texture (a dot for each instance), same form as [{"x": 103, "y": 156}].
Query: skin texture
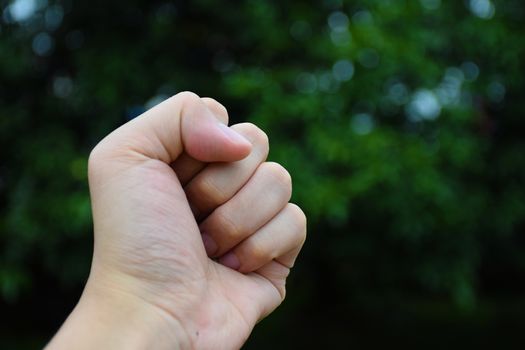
[{"x": 194, "y": 235}]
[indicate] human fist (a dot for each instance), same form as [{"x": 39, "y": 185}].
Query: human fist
[{"x": 194, "y": 235}]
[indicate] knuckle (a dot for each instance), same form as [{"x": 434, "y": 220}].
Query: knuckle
[
  {"x": 256, "y": 136},
  {"x": 299, "y": 221},
  {"x": 257, "y": 252},
  {"x": 188, "y": 97},
  {"x": 186, "y": 100},
  {"x": 279, "y": 175},
  {"x": 219, "y": 107},
  {"x": 230, "y": 230},
  {"x": 203, "y": 188}
]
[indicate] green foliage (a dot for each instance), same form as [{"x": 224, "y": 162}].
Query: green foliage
[{"x": 400, "y": 122}]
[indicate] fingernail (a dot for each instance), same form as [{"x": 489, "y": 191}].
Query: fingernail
[
  {"x": 233, "y": 135},
  {"x": 230, "y": 260},
  {"x": 209, "y": 244}
]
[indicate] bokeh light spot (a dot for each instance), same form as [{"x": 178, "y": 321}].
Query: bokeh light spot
[
  {"x": 53, "y": 17},
  {"x": 43, "y": 44},
  {"x": 449, "y": 90},
  {"x": 362, "y": 123},
  {"x": 423, "y": 106},
  {"x": 398, "y": 93},
  {"x": 21, "y": 10},
  {"x": 340, "y": 38},
  {"x": 482, "y": 8},
  {"x": 470, "y": 70},
  {"x": 338, "y": 21},
  {"x": 327, "y": 83},
  {"x": 496, "y": 91},
  {"x": 362, "y": 17},
  {"x": 343, "y": 70},
  {"x": 62, "y": 86}
]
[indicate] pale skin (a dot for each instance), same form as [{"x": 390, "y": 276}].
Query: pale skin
[{"x": 194, "y": 233}]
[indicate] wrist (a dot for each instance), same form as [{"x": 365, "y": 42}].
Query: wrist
[{"x": 109, "y": 318}]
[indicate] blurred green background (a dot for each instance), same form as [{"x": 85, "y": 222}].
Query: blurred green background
[{"x": 401, "y": 122}]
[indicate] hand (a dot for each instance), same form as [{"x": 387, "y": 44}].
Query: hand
[{"x": 155, "y": 280}]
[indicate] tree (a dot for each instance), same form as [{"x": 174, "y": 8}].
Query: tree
[{"x": 400, "y": 122}]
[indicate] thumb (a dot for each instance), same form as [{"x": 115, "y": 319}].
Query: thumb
[
  {"x": 181, "y": 123},
  {"x": 207, "y": 139}
]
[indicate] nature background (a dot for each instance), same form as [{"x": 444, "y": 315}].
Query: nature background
[{"x": 401, "y": 122}]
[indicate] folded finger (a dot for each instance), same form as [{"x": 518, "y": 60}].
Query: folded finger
[
  {"x": 219, "y": 182},
  {"x": 280, "y": 239},
  {"x": 263, "y": 197}
]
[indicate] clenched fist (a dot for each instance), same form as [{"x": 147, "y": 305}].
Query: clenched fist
[{"x": 194, "y": 235}]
